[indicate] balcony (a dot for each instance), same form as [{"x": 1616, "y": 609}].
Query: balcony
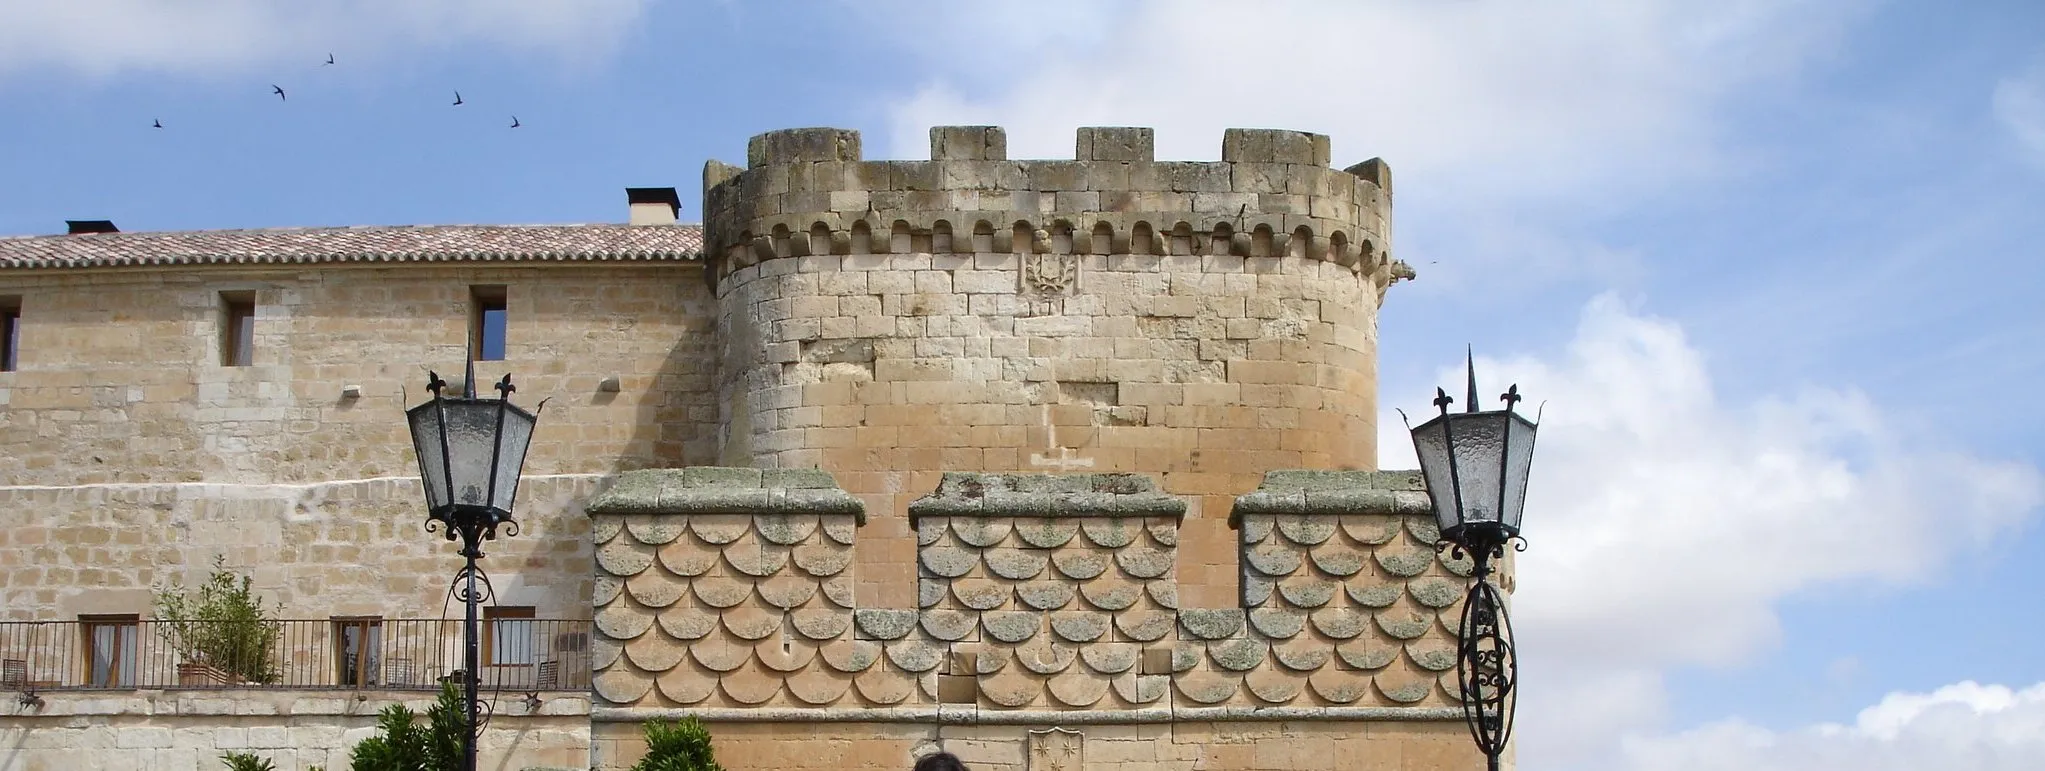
[{"x": 386, "y": 654}]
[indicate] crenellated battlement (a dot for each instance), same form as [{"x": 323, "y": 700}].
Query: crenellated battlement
[{"x": 810, "y": 192}]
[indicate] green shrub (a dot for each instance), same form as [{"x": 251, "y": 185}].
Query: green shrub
[
  {"x": 677, "y": 746},
  {"x": 246, "y": 761},
  {"x": 225, "y": 626},
  {"x": 402, "y": 744}
]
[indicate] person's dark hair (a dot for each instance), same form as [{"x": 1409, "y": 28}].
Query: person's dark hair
[{"x": 940, "y": 761}]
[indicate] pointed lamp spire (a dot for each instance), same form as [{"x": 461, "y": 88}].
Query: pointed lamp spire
[{"x": 1470, "y": 403}]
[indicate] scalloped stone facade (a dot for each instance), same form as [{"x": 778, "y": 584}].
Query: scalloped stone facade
[{"x": 1043, "y": 600}]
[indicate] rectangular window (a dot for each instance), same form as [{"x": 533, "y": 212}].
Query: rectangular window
[
  {"x": 237, "y": 328},
  {"x": 508, "y": 637},
  {"x": 358, "y": 647},
  {"x": 10, "y": 333},
  {"x": 110, "y": 650},
  {"x": 486, "y": 322}
]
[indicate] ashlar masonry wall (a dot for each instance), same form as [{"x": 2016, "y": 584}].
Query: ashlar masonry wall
[
  {"x": 892, "y": 320},
  {"x": 121, "y": 379},
  {"x": 294, "y": 730}
]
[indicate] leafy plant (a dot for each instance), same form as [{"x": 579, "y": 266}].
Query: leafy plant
[
  {"x": 403, "y": 744},
  {"x": 246, "y": 761},
  {"x": 677, "y": 746},
  {"x": 223, "y": 625}
]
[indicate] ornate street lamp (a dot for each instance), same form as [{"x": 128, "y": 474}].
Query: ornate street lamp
[
  {"x": 1476, "y": 466},
  {"x": 471, "y": 451}
]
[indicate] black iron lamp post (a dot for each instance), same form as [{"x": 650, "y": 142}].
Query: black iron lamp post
[
  {"x": 1476, "y": 466},
  {"x": 471, "y": 451}
]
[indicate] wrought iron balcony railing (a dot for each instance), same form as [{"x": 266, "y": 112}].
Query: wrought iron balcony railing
[{"x": 126, "y": 653}]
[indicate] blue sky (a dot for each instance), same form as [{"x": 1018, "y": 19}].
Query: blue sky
[{"x": 1774, "y": 266}]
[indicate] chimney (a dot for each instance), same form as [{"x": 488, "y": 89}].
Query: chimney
[
  {"x": 653, "y": 205},
  {"x": 83, "y": 227}
]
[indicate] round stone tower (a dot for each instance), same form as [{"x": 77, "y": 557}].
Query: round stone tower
[{"x": 1200, "y": 322}]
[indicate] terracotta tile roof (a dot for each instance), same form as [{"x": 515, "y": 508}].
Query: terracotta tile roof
[{"x": 418, "y": 243}]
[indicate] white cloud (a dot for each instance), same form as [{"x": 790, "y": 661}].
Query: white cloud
[
  {"x": 1962, "y": 726},
  {"x": 99, "y": 38},
  {"x": 2019, "y": 102},
  {"x": 1666, "y": 525},
  {"x": 1492, "y": 96},
  {"x": 1499, "y": 118}
]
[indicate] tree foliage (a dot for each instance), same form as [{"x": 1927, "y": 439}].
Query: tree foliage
[
  {"x": 223, "y": 625},
  {"x": 677, "y": 746},
  {"x": 402, "y": 743}
]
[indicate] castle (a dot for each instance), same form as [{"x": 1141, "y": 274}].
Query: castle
[{"x": 1053, "y": 464}]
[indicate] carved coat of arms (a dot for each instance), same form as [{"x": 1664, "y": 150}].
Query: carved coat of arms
[{"x": 1057, "y": 749}]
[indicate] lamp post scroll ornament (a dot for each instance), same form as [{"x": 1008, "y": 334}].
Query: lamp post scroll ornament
[
  {"x": 471, "y": 452},
  {"x": 1476, "y": 466}
]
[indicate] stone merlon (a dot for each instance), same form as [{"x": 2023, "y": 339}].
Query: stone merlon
[{"x": 810, "y": 191}]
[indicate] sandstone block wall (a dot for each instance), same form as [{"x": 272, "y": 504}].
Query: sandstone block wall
[
  {"x": 121, "y": 380},
  {"x": 892, "y": 320},
  {"x": 295, "y": 730},
  {"x": 316, "y": 550},
  {"x": 1192, "y": 745}
]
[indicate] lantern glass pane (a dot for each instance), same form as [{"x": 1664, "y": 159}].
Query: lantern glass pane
[
  {"x": 518, "y": 433},
  {"x": 425, "y": 423},
  {"x": 1477, "y": 444},
  {"x": 471, "y": 440},
  {"x": 1430, "y": 443},
  {"x": 1519, "y": 463}
]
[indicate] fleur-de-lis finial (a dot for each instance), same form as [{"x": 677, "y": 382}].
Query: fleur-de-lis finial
[
  {"x": 434, "y": 383},
  {"x": 1442, "y": 399},
  {"x": 1511, "y": 397}
]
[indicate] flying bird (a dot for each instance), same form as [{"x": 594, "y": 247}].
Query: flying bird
[
  {"x": 330, "y": 58},
  {"x": 156, "y": 124},
  {"x": 514, "y": 121},
  {"x": 457, "y": 98},
  {"x": 279, "y": 91}
]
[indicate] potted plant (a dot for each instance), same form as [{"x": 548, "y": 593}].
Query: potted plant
[{"x": 222, "y": 632}]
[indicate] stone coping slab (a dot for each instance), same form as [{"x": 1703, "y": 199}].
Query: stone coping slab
[
  {"x": 727, "y": 490},
  {"x": 964, "y": 494},
  {"x": 1302, "y": 492}
]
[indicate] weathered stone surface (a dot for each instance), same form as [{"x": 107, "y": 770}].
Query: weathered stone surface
[
  {"x": 1011, "y": 626},
  {"x": 981, "y": 531},
  {"x": 1404, "y": 561},
  {"x": 1145, "y": 562},
  {"x": 1110, "y": 595},
  {"x": 1210, "y": 624},
  {"x": 1307, "y": 591},
  {"x": 1079, "y": 625},
  {"x": 1434, "y": 591},
  {"x": 883, "y": 624},
  {"x": 914, "y": 655},
  {"x": 1046, "y": 533},
  {"x": 980, "y": 593},
  {"x": 1045, "y": 595},
  {"x": 1277, "y": 623},
  {"x": 947, "y": 561},
  {"x": 949, "y": 624},
  {"x": 1373, "y": 594},
  {"x": 1015, "y": 564},
  {"x": 1239, "y": 654},
  {"x": 1081, "y": 565},
  {"x": 1339, "y": 623}
]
